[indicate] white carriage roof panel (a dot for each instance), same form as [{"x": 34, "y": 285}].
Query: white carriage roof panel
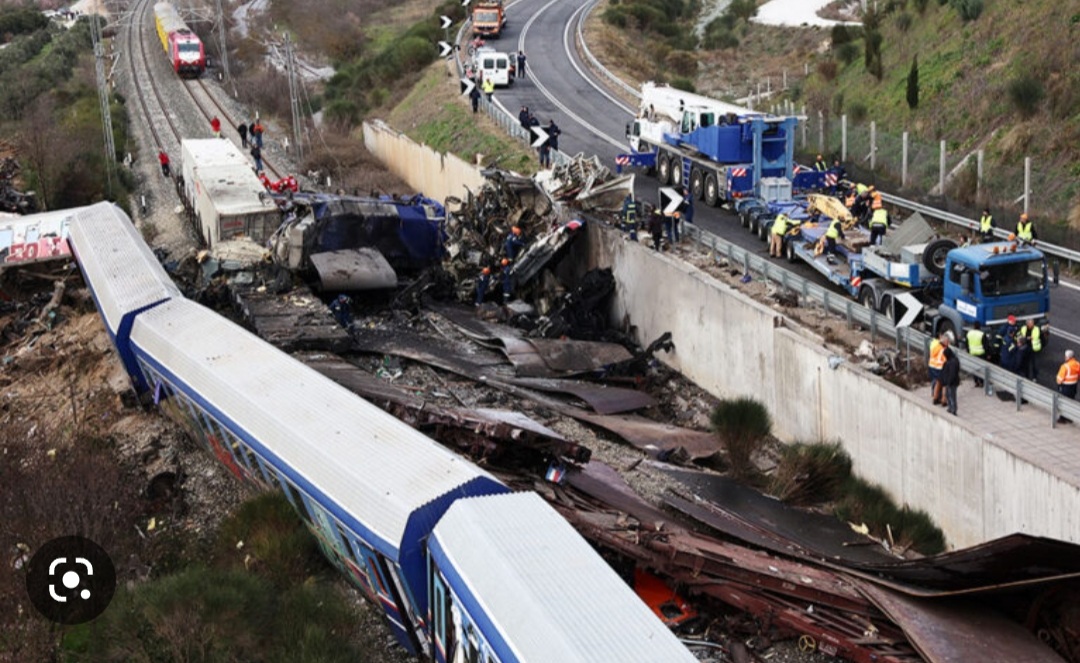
[
  {"x": 124, "y": 274},
  {"x": 376, "y": 467},
  {"x": 235, "y": 189},
  {"x": 211, "y": 152},
  {"x": 549, "y": 593}
]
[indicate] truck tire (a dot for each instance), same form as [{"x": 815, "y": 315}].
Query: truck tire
[
  {"x": 934, "y": 256},
  {"x": 866, "y": 297},
  {"x": 887, "y": 307},
  {"x": 663, "y": 169},
  {"x": 676, "y": 172},
  {"x": 947, "y": 327},
  {"x": 789, "y": 250},
  {"x": 697, "y": 183},
  {"x": 712, "y": 191},
  {"x": 763, "y": 227}
]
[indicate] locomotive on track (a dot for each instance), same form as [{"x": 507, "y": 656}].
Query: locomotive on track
[{"x": 184, "y": 48}]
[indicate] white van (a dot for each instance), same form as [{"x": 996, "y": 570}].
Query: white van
[{"x": 490, "y": 64}]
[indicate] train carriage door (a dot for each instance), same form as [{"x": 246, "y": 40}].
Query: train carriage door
[
  {"x": 387, "y": 586},
  {"x": 441, "y": 620},
  {"x": 404, "y": 599}
]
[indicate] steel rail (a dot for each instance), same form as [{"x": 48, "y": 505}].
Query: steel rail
[
  {"x": 223, "y": 115},
  {"x": 140, "y": 70}
]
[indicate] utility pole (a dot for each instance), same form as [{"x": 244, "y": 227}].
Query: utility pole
[
  {"x": 222, "y": 48},
  {"x": 103, "y": 100},
  {"x": 294, "y": 98}
]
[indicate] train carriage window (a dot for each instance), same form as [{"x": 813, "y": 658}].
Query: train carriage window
[
  {"x": 268, "y": 474},
  {"x": 297, "y": 498},
  {"x": 344, "y": 537}
]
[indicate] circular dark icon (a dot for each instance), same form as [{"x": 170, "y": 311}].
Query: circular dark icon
[{"x": 71, "y": 580}]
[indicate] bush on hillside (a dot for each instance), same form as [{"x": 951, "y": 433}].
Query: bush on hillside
[
  {"x": 848, "y": 53},
  {"x": 969, "y": 10},
  {"x": 827, "y": 69},
  {"x": 920, "y": 5},
  {"x": 742, "y": 424},
  {"x": 857, "y": 111},
  {"x": 682, "y": 63},
  {"x": 21, "y": 21},
  {"x": 1026, "y": 93},
  {"x": 903, "y": 21},
  {"x": 842, "y": 34},
  {"x": 684, "y": 84}
]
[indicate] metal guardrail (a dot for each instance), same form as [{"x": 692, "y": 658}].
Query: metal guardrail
[
  {"x": 596, "y": 63},
  {"x": 994, "y": 376}
]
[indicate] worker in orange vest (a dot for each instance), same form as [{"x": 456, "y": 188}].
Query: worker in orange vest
[
  {"x": 1068, "y": 375},
  {"x": 935, "y": 364}
]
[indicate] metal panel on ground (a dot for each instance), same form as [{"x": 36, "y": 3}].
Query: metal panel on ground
[{"x": 354, "y": 269}]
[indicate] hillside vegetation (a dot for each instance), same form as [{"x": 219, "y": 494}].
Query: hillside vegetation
[{"x": 991, "y": 75}]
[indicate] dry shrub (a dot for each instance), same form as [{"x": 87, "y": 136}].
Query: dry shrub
[
  {"x": 827, "y": 69},
  {"x": 352, "y": 167},
  {"x": 742, "y": 425},
  {"x": 811, "y": 473}
]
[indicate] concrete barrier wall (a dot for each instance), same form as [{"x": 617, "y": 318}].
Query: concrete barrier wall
[
  {"x": 432, "y": 173},
  {"x": 732, "y": 345}
]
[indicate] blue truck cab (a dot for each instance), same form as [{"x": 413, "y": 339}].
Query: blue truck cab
[{"x": 989, "y": 282}]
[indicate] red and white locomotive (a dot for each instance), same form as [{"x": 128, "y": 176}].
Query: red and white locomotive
[{"x": 182, "y": 45}]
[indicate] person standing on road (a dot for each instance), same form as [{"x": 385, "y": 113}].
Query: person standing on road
[
  {"x": 934, "y": 365},
  {"x": 986, "y": 226},
  {"x": 523, "y": 117},
  {"x": 521, "y": 64},
  {"x": 1033, "y": 333},
  {"x": 1025, "y": 230},
  {"x": 975, "y": 345},
  {"x": 256, "y": 154},
  {"x": 553, "y": 132},
  {"x": 242, "y": 130},
  {"x": 474, "y": 97},
  {"x": 776, "y": 236},
  {"x": 489, "y": 88},
  {"x": 1068, "y": 375},
  {"x": 879, "y": 223},
  {"x": 950, "y": 378}
]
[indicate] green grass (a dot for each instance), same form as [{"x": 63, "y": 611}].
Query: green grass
[
  {"x": 276, "y": 544},
  {"x": 434, "y": 113}
]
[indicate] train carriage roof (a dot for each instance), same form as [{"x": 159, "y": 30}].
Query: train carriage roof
[
  {"x": 169, "y": 18},
  {"x": 385, "y": 480},
  {"x": 538, "y": 591},
  {"x": 121, "y": 271}
]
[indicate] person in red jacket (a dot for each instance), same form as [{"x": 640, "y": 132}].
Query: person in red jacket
[
  {"x": 215, "y": 125},
  {"x": 164, "y": 160}
]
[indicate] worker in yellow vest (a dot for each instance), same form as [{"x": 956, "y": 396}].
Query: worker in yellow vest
[
  {"x": 975, "y": 338},
  {"x": 834, "y": 233},
  {"x": 879, "y": 223},
  {"x": 1025, "y": 230},
  {"x": 934, "y": 364},
  {"x": 776, "y": 237},
  {"x": 1033, "y": 334},
  {"x": 986, "y": 226},
  {"x": 1068, "y": 375}
]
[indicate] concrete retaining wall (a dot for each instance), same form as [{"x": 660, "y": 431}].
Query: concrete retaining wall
[
  {"x": 432, "y": 173},
  {"x": 732, "y": 346}
]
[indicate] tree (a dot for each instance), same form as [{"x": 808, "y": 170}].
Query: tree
[{"x": 913, "y": 84}]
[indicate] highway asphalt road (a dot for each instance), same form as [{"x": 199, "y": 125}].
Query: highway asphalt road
[{"x": 593, "y": 120}]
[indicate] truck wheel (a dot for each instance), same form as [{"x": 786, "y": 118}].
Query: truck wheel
[
  {"x": 676, "y": 172},
  {"x": 663, "y": 169},
  {"x": 789, "y": 250},
  {"x": 712, "y": 192},
  {"x": 888, "y": 308},
  {"x": 697, "y": 183},
  {"x": 754, "y": 216},
  {"x": 763, "y": 228},
  {"x": 947, "y": 327},
  {"x": 744, "y": 217},
  {"x": 866, "y": 297},
  {"x": 934, "y": 255}
]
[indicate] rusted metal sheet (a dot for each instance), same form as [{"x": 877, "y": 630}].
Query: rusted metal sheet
[
  {"x": 653, "y": 437},
  {"x": 526, "y": 360},
  {"x": 744, "y": 513},
  {"x": 958, "y": 630},
  {"x": 1017, "y": 560},
  {"x": 604, "y": 484},
  {"x": 461, "y": 358},
  {"x": 477, "y": 431},
  {"x": 299, "y": 321},
  {"x": 602, "y": 398},
  {"x": 354, "y": 269},
  {"x": 569, "y": 356}
]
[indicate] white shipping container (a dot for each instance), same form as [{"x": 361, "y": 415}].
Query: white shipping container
[{"x": 228, "y": 198}]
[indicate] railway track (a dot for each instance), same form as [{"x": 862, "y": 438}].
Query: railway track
[{"x": 164, "y": 125}]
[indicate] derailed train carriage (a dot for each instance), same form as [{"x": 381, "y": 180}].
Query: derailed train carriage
[
  {"x": 184, "y": 48},
  {"x": 457, "y": 562}
]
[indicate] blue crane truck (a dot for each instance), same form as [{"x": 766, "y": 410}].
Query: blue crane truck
[
  {"x": 719, "y": 151},
  {"x": 915, "y": 277}
]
